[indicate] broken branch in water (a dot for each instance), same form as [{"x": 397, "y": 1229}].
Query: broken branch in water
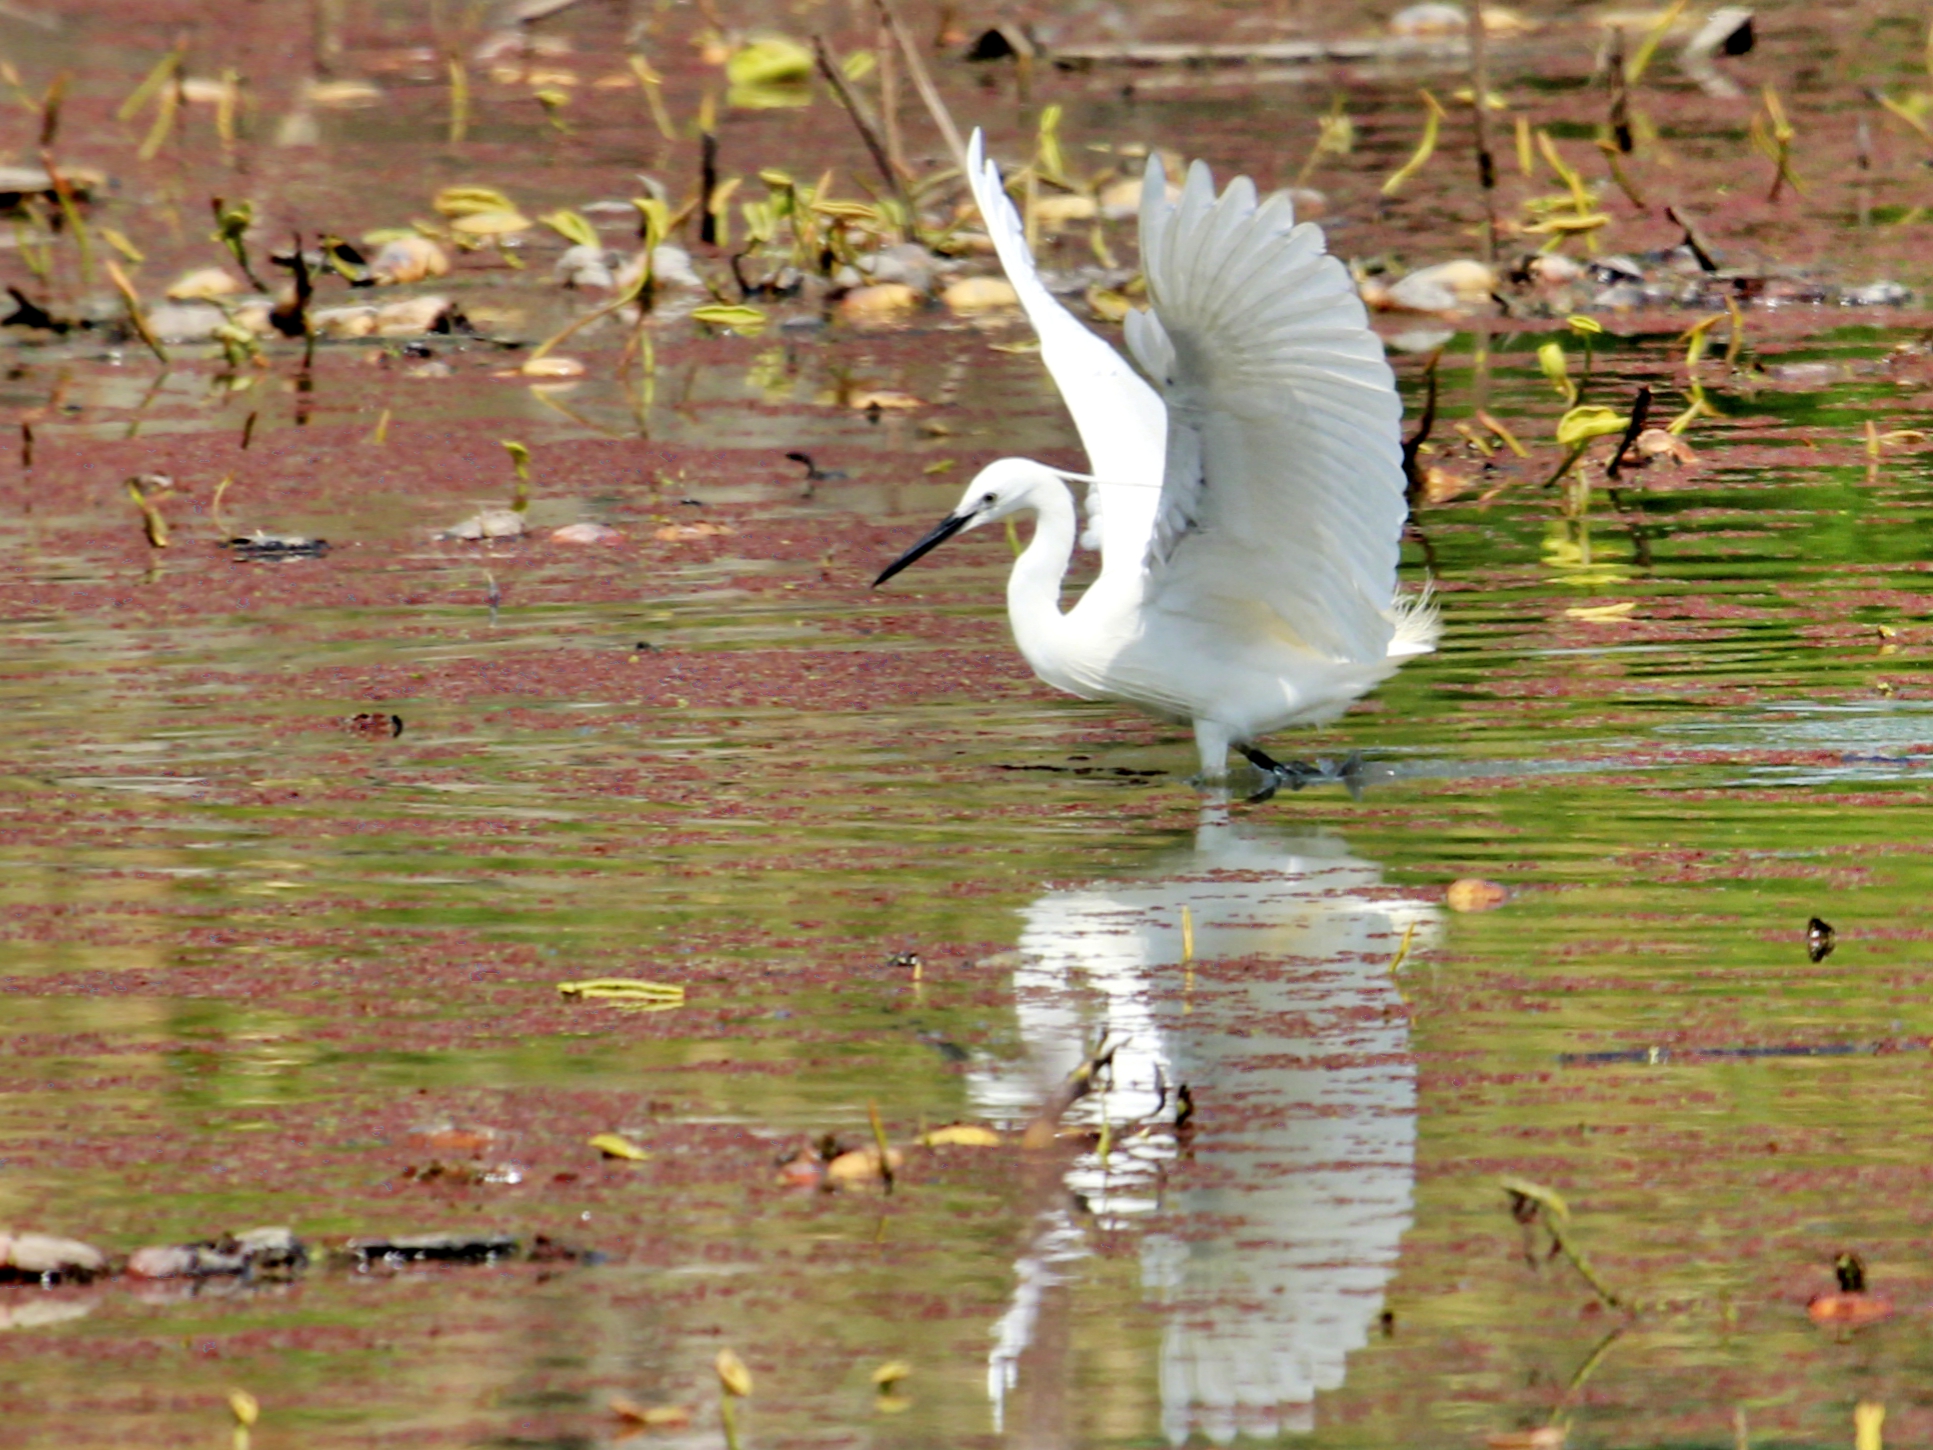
[
  {"x": 1531, "y": 1203},
  {"x": 1077, "y": 1085}
]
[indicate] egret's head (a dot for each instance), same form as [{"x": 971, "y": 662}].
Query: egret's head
[{"x": 1001, "y": 488}]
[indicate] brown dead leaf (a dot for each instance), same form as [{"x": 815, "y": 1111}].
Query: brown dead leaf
[
  {"x": 654, "y": 1417},
  {"x": 861, "y": 1165},
  {"x": 1473, "y": 893},
  {"x": 979, "y": 294},
  {"x": 1658, "y": 443},
  {"x": 552, "y": 367},
  {"x": 1851, "y": 1309},
  {"x": 1544, "y": 1437},
  {"x": 880, "y": 302},
  {"x": 449, "y": 1138},
  {"x": 868, "y": 398},
  {"x": 804, "y": 1169},
  {"x": 1440, "y": 485}
]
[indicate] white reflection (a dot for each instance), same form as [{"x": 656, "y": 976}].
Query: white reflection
[{"x": 1270, "y": 1252}]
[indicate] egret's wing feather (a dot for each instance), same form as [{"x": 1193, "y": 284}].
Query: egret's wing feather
[
  {"x": 1121, "y": 420},
  {"x": 1283, "y": 485}
]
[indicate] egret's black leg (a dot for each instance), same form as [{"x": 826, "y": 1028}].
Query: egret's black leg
[{"x": 1294, "y": 775}]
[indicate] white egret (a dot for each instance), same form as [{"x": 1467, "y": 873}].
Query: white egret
[{"x": 1246, "y": 495}]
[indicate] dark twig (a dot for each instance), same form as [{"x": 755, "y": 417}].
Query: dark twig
[
  {"x": 707, "y": 188},
  {"x": 1620, "y": 113},
  {"x": 1480, "y": 121},
  {"x": 1693, "y": 239},
  {"x": 923, "y": 83},
  {"x": 1412, "y": 473},
  {"x": 908, "y": 230},
  {"x": 1640, "y": 409}
]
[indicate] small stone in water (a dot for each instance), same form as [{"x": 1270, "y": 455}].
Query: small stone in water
[
  {"x": 585, "y": 534},
  {"x": 1876, "y": 294},
  {"x": 48, "y": 1257},
  {"x": 202, "y": 284},
  {"x": 409, "y": 259},
  {"x": 488, "y": 524},
  {"x": 880, "y": 302},
  {"x": 980, "y": 294}
]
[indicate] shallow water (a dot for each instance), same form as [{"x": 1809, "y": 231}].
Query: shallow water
[{"x": 262, "y": 968}]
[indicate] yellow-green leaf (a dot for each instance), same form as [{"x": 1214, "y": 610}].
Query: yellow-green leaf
[
  {"x": 626, "y": 990},
  {"x": 1538, "y": 1194},
  {"x": 962, "y": 1135},
  {"x": 572, "y": 227},
  {"x": 732, "y": 1374},
  {"x": 455, "y": 201},
  {"x": 613, "y": 1146},
  {"x": 1550, "y": 358},
  {"x": 490, "y": 223},
  {"x": 1589, "y": 326},
  {"x": 748, "y": 320},
  {"x": 771, "y": 61},
  {"x": 244, "y": 1407},
  {"x": 121, "y": 244},
  {"x": 1582, "y": 424},
  {"x": 657, "y": 219},
  {"x": 1425, "y": 147}
]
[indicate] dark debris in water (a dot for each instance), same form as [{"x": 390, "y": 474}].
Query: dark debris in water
[{"x": 263, "y": 548}]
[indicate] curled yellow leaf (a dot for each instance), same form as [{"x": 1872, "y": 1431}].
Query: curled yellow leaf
[
  {"x": 1425, "y": 148},
  {"x": 1580, "y": 425},
  {"x": 613, "y": 1146},
  {"x": 732, "y": 1374}
]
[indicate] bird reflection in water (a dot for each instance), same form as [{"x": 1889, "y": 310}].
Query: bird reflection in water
[{"x": 1267, "y": 1252}]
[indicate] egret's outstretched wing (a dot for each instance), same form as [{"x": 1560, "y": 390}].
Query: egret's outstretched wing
[
  {"x": 1122, "y": 423},
  {"x": 1284, "y": 477}
]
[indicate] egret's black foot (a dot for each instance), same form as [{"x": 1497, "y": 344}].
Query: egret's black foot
[{"x": 1297, "y": 773}]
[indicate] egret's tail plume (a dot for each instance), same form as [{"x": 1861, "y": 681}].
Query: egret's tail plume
[{"x": 1418, "y": 623}]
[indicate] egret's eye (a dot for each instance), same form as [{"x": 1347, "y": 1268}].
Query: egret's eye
[{"x": 986, "y": 500}]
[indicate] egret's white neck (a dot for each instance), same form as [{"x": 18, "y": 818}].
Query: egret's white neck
[{"x": 1033, "y": 589}]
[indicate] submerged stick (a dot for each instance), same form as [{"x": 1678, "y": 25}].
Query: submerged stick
[
  {"x": 1413, "y": 445},
  {"x": 1486, "y": 163}
]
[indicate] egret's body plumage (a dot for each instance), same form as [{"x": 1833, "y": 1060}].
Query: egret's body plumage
[{"x": 1247, "y": 485}]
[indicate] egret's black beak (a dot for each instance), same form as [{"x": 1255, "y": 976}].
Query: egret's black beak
[{"x": 949, "y": 526}]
